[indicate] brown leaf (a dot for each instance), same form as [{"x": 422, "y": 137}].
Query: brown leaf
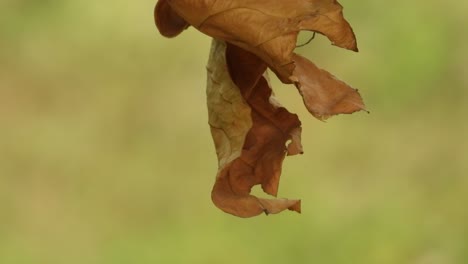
[
  {"x": 257, "y": 159},
  {"x": 267, "y": 28}
]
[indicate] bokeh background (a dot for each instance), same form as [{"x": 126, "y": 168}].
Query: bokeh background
[{"x": 106, "y": 155}]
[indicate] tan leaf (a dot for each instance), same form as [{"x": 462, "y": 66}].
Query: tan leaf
[{"x": 242, "y": 109}]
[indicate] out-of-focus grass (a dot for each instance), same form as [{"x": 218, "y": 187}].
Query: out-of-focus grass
[{"x": 106, "y": 157}]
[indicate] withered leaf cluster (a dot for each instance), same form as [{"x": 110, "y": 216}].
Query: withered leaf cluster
[{"x": 252, "y": 132}]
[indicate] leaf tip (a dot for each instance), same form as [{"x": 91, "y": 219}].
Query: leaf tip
[
  {"x": 168, "y": 22},
  {"x": 296, "y": 207}
]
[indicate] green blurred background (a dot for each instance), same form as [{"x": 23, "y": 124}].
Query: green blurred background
[{"x": 106, "y": 155}]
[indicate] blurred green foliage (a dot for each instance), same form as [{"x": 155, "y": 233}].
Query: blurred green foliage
[{"x": 106, "y": 156}]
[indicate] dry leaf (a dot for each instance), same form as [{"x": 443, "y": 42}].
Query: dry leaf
[{"x": 252, "y": 132}]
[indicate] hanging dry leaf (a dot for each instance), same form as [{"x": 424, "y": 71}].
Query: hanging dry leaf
[{"x": 249, "y": 127}]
